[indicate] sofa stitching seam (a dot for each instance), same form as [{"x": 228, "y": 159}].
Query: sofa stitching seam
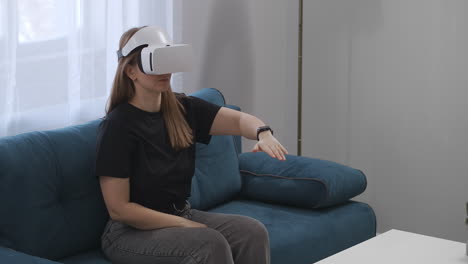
[
  {"x": 154, "y": 255},
  {"x": 327, "y": 190},
  {"x": 282, "y": 177}
]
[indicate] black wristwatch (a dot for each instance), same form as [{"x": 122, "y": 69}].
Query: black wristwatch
[{"x": 262, "y": 129}]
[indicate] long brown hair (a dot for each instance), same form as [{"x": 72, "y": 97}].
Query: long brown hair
[{"x": 172, "y": 110}]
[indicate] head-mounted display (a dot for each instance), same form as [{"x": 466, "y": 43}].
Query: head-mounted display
[{"x": 159, "y": 55}]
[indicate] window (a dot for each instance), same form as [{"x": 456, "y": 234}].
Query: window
[
  {"x": 41, "y": 20},
  {"x": 57, "y": 57}
]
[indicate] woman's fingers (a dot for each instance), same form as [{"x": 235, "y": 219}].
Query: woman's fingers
[
  {"x": 270, "y": 151},
  {"x": 285, "y": 151},
  {"x": 277, "y": 152},
  {"x": 280, "y": 151}
]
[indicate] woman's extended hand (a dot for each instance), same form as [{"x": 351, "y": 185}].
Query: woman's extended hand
[{"x": 269, "y": 144}]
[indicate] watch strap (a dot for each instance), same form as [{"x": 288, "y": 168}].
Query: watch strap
[{"x": 262, "y": 129}]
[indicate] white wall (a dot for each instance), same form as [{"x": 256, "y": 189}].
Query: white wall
[
  {"x": 385, "y": 88},
  {"x": 247, "y": 50}
]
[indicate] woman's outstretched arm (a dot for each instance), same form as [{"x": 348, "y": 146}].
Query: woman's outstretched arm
[{"x": 232, "y": 122}]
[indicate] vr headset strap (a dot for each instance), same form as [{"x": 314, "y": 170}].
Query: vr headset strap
[{"x": 119, "y": 54}]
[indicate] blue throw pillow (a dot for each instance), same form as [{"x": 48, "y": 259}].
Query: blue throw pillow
[{"x": 298, "y": 181}]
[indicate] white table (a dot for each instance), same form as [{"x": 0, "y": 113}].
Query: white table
[{"x": 397, "y": 246}]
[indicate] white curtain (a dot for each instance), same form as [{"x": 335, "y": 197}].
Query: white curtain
[{"x": 58, "y": 57}]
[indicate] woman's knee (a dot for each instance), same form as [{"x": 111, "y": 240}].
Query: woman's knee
[
  {"x": 214, "y": 247},
  {"x": 213, "y": 239},
  {"x": 255, "y": 230}
]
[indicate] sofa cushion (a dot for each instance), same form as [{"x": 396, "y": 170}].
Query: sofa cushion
[
  {"x": 217, "y": 178},
  {"x": 304, "y": 236},
  {"x": 10, "y": 256},
  {"x": 52, "y": 205},
  {"x": 90, "y": 257},
  {"x": 298, "y": 181}
]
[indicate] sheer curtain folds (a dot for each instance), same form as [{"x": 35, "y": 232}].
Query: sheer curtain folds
[{"x": 58, "y": 60}]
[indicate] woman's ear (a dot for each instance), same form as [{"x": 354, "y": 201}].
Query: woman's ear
[{"x": 131, "y": 72}]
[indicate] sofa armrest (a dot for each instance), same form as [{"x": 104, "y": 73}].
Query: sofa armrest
[
  {"x": 298, "y": 181},
  {"x": 11, "y": 256}
]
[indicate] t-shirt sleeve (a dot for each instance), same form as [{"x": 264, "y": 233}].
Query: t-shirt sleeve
[
  {"x": 204, "y": 114},
  {"x": 112, "y": 150}
]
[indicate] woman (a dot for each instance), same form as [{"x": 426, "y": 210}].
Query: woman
[{"x": 145, "y": 161}]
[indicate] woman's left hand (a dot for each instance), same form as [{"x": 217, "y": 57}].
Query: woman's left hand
[{"x": 271, "y": 146}]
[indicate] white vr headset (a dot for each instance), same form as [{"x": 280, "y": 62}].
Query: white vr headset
[{"x": 159, "y": 55}]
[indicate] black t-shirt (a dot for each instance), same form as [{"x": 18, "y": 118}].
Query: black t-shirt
[{"x": 133, "y": 143}]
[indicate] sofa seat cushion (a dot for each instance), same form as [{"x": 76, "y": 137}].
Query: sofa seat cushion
[
  {"x": 90, "y": 257},
  {"x": 10, "y": 256},
  {"x": 304, "y": 235}
]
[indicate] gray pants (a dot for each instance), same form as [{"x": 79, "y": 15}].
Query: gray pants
[{"x": 227, "y": 239}]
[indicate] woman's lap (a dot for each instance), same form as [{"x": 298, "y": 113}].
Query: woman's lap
[
  {"x": 168, "y": 245},
  {"x": 225, "y": 235},
  {"x": 228, "y": 224}
]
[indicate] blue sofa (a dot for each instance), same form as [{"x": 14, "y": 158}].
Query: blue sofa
[{"x": 52, "y": 210}]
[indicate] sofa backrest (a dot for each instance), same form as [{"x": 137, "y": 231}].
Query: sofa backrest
[
  {"x": 217, "y": 177},
  {"x": 52, "y": 205}
]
